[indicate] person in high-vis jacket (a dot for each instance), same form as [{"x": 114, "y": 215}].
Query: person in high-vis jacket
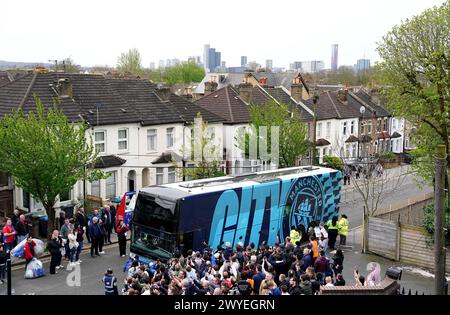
[
  {"x": 343, "y": 229},
  {"x": 294, "y": 235},
  {"x": 110, "y": 282}
]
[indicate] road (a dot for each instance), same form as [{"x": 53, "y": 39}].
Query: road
[
  {"x": 352, "y": 203},
  {"x": 91, "y": 273}
]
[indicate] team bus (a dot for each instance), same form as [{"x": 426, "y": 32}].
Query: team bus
[{"x": 249, "y": 208}]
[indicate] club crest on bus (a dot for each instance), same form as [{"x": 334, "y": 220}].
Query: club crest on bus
[{"x": 305, "y": 203}]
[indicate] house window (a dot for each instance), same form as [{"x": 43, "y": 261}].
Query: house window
[
  {"x": 352, "y": 127},
  {"x": 123, "y": 139},
  {"x": 385, "y": 123},
  {"x": 100, "y": 141},
  {"x": 95, "y": 188},
  {"x": 159, "y": 175},
  {"x": 319, "y": 130},
  {"x": 171, "y": 174},
  {"x": 394, "y": 123},
  {"x": 369, "y": 127},
  {"x": 379, "y": 125},
  {"x": 65, "y": 196},
  {"x": 111, "y": 184},
  {"x": 151, "y": 139},
  {"x": 363, "y": 127},
  {"x": 169, "y": 137},
  {"x": 328, "y": 130},
  {"x": 345, "y": 129}
]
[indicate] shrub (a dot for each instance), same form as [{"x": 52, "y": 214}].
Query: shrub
[
  {"x": 428, "y": 221},
  {"x": 334, "y": 162}
]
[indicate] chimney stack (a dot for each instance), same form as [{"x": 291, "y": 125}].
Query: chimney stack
[
  {"x": 342, "y": 95},
  {"x": 64, "y": 88},
  {"x": 163, "y": 93},
  {"x": 375, "y": 95},
  {"x": 246, "y": 92},
  {"x": 210, "y": 87},
  {"x": 263, "y": 82},
  {"x": 297, "y": 90}
]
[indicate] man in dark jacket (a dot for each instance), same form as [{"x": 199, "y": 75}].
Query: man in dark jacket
[
  {"x": 306, "y": 285},
  {"x": 322, "y": 263},
  {"x": 294, "y": 289},
  {"x": 22, "y": 229},
  {"x": 95, "y": 233},
  {"x": 306, "y": 259},
  {"x": 107, "y": 224},
  {"x": 258, "y": 278}
]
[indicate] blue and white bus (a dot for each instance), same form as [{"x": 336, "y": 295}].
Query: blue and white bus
[{"x": 249, "y": 208}]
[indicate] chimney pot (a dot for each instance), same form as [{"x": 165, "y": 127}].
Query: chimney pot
[
  {"x": 64, "y": 88},
  {"x": 297, "y": 91},
  {"x": 342, "y": 95},
  {"x": 163, "y": 93},
  {"x": 210, "y": 87}
]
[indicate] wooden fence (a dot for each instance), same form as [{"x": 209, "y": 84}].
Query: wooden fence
[
  {"x": 408, "y": 244},
  {"x": 383, "y": 237}
]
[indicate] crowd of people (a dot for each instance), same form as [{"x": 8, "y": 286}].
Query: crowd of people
[
  {"x": 287, "y": 268},
  {"x": 68, "y": 241}
]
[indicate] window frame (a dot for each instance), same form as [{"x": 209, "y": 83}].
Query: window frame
[
  {"x": 172, "y": 133},
  {"x": 171, "y": 173},
  {"x": 159, "y": 174},
  {"x": 155, "y": 136},
  {"x": 109, "y": 196},
  {"x": 100, "y": 142},
  {"x": 126, "y": 140}
]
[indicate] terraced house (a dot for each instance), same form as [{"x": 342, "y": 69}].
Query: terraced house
[{"x": 141, "y": 131}]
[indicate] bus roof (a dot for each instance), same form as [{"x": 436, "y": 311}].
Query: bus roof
[{"x": 202, "y": 186}]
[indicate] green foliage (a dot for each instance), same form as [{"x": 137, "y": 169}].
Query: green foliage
[
  {"x": 67, "y": 65},
  {"x": 387, "y": 156},
  {"x": 293, "y": 141},
  {"x": 415, "y": 71},
  {"x": 429, "y": 217},
  {"x": 334, "y": 162},
  {"x": 185, "y": 72},
  {"x": 45, "y": 153},
  {"x": 130, "y": 62},
  {"x": 208, "y": 164}
]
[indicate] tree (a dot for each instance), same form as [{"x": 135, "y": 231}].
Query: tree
[
  {"x": 46, "y": 154},
  {"x": 415, "y": 71},
  {"x": 130, "y": 62},
  {"x": 68, "y": 66},
  {"x": 185, "y": 72},
  {"x": 293, "y": 142},
  {"x": 203, "y": 152}
]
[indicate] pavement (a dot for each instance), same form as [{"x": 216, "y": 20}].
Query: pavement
[{"x": 90, "y": 274}]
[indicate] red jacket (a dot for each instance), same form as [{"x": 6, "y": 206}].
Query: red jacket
[{"x": 27, "y": 251}]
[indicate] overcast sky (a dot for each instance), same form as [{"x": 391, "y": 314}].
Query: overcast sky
[{"x": 95, "y": 32}]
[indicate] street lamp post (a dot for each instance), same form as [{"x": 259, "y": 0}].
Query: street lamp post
[
  {"x": 313, "y": 153},
  {"x": 362, "y": 110}
]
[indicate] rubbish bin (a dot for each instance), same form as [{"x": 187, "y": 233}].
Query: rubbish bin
[
  {"x": 43, "y": 226},
  {"x": 35, "y": 219}
]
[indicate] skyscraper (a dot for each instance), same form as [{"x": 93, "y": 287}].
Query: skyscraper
[
  {"x": 269, "y": 64},
  {"x": 243, "y": 61},
  {"x": 211, "y": 58},
  {"x": 362, "y": 65},
  {"x": 334, "y": 57}
]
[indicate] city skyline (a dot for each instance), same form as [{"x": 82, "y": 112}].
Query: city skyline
[{"x": 89, "y": 44}]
